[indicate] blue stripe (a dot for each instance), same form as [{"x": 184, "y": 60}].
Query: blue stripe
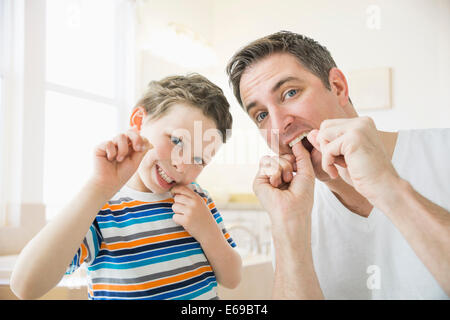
[
  {"x": 125, "y": 210},
  {"x": 195, "y": 294},
  {"x": 136, "y": 214},
  {"x": 95, "y": 241},
  {"x": 153, "y": 246},
  {"x": 147, "y": 254},
  {"x": 162, "y": 292},
  {"x": 113, "y": 224},
  {"x": 141, "y": 263},
  {"x": 196, "y": 286}
]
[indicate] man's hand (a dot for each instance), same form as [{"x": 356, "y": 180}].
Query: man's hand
[
  {"x": 285, "y": 196},
  {"x": 192, "y": 213},
  {"x": 288, "y": 199},
  {"x": 117, "y": 160},
  {"x": 353, "y": 150}
]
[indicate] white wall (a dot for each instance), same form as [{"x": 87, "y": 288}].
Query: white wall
[{"x": 413, "y": 40}]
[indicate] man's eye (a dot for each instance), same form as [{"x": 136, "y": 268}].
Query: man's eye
[
  {"x": 260, "y": 116},
  {"x": 176, "y": 141},
  {"x": 198, "y": 160},
  {"x": 290, "y": 93}
]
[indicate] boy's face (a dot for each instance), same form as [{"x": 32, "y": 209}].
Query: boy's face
[{"x": 184, "y": 140}]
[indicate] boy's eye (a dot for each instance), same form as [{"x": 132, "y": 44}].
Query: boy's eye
[
  {"x": 260, "y": 116},
  {"x": 176, "y": 141},
  {"x": 290, "y": 93},
  {"x": 198, "y": 160}
]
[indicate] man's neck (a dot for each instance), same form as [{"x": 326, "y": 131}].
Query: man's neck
[{"x": 351, "y": 198}]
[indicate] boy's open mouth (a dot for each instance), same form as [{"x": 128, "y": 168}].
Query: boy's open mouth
[{"x": 164, "y": 177}]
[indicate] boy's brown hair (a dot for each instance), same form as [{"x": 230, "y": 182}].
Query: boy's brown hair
[{"x": 194, "y": 90}]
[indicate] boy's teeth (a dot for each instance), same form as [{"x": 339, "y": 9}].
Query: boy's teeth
[
  {"x": 164, "y": 175},
  {"x": 299, "y": 138}
]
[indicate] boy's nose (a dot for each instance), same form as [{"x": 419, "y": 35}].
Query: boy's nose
[{"x": 179, "y": 164}]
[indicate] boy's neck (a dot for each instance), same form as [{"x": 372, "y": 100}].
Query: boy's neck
[{"x": 136, "y": 183}]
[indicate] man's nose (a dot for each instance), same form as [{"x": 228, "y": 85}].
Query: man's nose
[{"x": 281, "y": 120}]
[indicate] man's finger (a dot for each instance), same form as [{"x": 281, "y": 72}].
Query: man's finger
[{"x": 304, "y": 167}]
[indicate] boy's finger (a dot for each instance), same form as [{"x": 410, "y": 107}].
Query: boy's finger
[
  {"x": 138, "y": 142},
  {"x": 111, "y": 150},
  {"x": 122, "y": 146},
  {"x": 178, "y": 218},
  {"x": 183, "y": 190},
  {"x": 181, "y": 198},
  {"x": 146, "y": 145}
]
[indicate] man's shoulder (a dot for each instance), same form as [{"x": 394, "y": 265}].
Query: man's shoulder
[
  {"x": 430, "y": 133},
  {"x": 420, "y": 140}
]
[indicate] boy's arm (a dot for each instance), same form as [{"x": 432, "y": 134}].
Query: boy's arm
[
  {"x": 44, "y": 260},
  {"x": 193, "y": 214},
  {"x": 225, "y": 261}
]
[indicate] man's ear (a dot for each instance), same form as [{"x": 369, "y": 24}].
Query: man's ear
[
  {"x": 339, "y": 85},
  {"x": 136, "y": 117}
]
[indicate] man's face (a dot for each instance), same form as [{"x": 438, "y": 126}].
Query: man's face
[{"x": 284, "y": 99}]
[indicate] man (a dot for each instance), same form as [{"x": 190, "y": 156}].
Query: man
[{"x": 361, "y": 231}]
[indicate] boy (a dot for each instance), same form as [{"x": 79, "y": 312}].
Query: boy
[{"x": 159, "y": 236}]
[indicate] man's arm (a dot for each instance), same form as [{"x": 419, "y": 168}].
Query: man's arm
[
  {"x": 288, "y": 199},
  {"x": 425, "y": 225},
  {"x": 295, "y": 277},
  {"x": 369, "y": 170}
]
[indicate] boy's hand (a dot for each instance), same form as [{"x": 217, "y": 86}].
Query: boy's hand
[
  {"x": 117, "y": 160},
  {"x": 192, "y": 213}
]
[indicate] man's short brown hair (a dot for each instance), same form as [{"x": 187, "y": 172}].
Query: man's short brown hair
[
  {"x": 194, "y": 90},
  {"x": 313, "y": 56}
]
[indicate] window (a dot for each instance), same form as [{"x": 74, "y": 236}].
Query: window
[
  {"x": 4, "y": 29},
  {"x": 87, "y": 85}
]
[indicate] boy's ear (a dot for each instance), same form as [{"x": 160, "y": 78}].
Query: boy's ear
[{"x": 136, "y": 117}]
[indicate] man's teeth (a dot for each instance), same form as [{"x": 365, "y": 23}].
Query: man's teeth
[
  {"x": 164, "y": 176},
  {"x": 298, "y": 139}
]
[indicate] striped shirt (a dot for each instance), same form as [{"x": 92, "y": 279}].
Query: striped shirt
[{"x": 134, "y": 250}]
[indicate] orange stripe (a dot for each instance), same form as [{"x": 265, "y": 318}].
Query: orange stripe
[
  {"x": 211, "y": 206},
  {"x": 139, "y": 242},
  {"x": 134, "y": 203},
  {"x": 154, "y": 283},
  {"x": 83, "y": 253}
]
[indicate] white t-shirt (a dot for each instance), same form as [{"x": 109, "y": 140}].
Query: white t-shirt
[{"x": 368, "y": 258}]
